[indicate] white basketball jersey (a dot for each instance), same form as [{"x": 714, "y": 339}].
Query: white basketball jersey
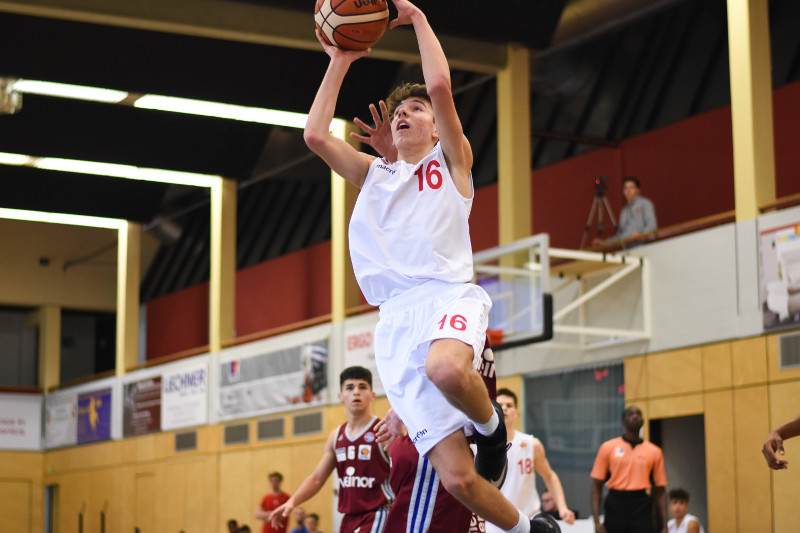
[
  {"x": 684, "y": 527},
  {"x": 409, "y": 225},
  {"x": 520, "y": 484}
]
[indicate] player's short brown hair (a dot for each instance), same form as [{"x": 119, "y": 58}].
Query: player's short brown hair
[
  {"x": 404, "y": 92},
  {"x": 509, "y": 393},
  {"x": 275, "y": 474},
  {"x": 679, "y": 494}
]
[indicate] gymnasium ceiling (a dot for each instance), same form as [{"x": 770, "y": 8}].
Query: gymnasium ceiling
[{"x": 604, "y": 70}]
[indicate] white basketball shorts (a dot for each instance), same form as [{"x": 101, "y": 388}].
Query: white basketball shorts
[{"x": 408, "y": 324}]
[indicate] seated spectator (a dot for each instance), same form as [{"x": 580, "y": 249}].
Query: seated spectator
[
  {"x": 312, "y": 523},
  {"x": 682, "y": 522},
  {"x": 244, "y": 529},
  {"x": 637, "y": 218},
  {"x": 233, "y": 526},
  {"x": 299, "y": 515}
]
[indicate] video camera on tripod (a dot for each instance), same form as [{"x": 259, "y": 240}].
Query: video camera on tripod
[{"x": 600, "y": 201}]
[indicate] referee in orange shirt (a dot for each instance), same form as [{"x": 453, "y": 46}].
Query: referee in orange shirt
[{"x": 630, "y": 466}]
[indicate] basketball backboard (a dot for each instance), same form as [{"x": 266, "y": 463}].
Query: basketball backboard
[{"x": 516, "y": 278}]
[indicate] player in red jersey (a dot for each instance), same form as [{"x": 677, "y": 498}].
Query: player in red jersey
[{"x": 359, "y": 460}]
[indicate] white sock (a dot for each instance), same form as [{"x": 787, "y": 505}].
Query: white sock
[
  {"x": 523, "y": 526},
  {"x": 488, "y": 427}
]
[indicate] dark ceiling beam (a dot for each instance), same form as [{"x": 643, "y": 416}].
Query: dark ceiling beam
[{"x": 246, "y": 22}]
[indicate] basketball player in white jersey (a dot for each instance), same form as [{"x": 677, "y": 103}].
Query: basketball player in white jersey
[
  {"x": 526, "y": 458},
  {"x": 412, "y": 256}
]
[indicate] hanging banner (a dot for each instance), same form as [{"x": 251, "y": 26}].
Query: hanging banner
[
  {"x": 779, "y": 251},
  {"x": 359, "y": 350},
  {"x": 94, "y": 416},
  {"x": 141, "y": 411},
  {"x": 60, "y": 420},
  {"x": 269, "y": 382},
  {"x": 184, "y": 398},
  {"x": 20, "y": 422}
]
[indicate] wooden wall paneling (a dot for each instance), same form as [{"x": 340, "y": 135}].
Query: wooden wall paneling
[
  {"x": 674, "y": 372},
  {"x": 720, "y": 463},
  {"x": 784, "y": 406},
  {"x": 716, "y": 361},
  {"x": 635, "y": 369},
  {"x": 749, "y": 361}
]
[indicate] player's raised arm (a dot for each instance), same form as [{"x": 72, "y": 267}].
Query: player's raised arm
[
  {"x": 343, "y": 159},
  {"x": 436, "y": 72}
]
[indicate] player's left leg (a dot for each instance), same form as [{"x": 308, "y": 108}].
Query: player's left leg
[{"x": 449, "y": 366}]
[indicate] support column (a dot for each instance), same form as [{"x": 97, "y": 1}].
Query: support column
[
  {"x": 222, "y": 283},
  {"x": 514, "y": 146},
  {"x": 751, "y": 106},
  {"x": 48, "y": 320},
  {"x": 129, "y": 257},
  {"x": 344, "y": 288}
]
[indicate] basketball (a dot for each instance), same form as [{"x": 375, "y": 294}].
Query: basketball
[{"x": 351, "y": 24}]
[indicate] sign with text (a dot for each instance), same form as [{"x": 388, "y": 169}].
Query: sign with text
[
  {"x": 779, "y": 251},
  {"x": 20, "y": 422},
  {"x": 94, "y": 416},
  {"x": 60, "y": 420},
  {"x": 261, "y": 383},
  {"x": 141, "y": 411},
  {"x": 184, "y": 397},
  {"x": 359, "y": 349}
]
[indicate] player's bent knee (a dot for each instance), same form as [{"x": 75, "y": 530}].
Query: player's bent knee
[{"x": 461, "y": 485}]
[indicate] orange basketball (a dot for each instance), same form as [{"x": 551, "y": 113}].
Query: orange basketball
[{"x": 351, "y": 24}]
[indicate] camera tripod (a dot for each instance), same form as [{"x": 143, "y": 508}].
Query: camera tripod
[{"x": 600, "y": 202}]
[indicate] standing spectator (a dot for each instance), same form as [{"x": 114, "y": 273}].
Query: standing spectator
[
  {"x": 270, "y": 502},
  {"x": 299, "y": 515},
  {"x": 774, "y": 443},
  {"x": 683, "y": 522},
  {"x": 526, "y": 457},
  {"x": 359, "y": 460},
  {"x": 628, "y": 464}
]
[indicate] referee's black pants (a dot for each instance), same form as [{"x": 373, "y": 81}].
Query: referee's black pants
[{"x": 628, "y": 512}]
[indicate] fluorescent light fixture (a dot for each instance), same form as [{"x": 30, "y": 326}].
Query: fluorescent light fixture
[
  {"x": 110, "y": 169},
  {"x": 64, "y": 90},
  {"x": 157, "y": 102},
  {"x": 219, "y": 110},
  {"x": 60, "y": 218},
  {"x": 17, "y": 160}
]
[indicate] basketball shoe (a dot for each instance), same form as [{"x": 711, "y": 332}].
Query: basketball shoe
[
  {"x": 544, "y": 523},
  {"x": 491, "y": 462}
]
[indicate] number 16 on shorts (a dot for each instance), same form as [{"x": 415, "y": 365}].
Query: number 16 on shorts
[{"x": 456, "y": 322}]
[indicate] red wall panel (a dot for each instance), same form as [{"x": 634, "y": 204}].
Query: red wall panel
[
  {"x": 177, "y": 321},
  {"x": 786, "y": 109}
]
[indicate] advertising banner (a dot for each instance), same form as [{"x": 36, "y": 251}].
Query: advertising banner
[
  {"x": 94, "y": 416},
  {"x": 359, "y": 349},
  {"x": 275, "y": 381},
  {"x": 60, "y": 420},
  {"x": 779, "y": 251},
  {"x": 184, "y": 398},
  {"x": 141, "y": 411},
  {"x": 20, "y": 422}
]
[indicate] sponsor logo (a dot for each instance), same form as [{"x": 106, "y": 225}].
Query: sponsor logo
[
  {"x": 362, "y": 482},
  {"x": 619, "y": 452},
  {"x": 189, "y": 380},
  {"x": 388, "y": 169},
  {"x": 419, "y": 435},
  {"x": 359, "y": 340},
  {"x": 364, "y": 452},
  {"x": 369, "y": 437},
  {"x": 341, "y": 455}
]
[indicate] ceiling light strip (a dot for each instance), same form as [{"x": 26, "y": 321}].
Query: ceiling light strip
[{"x": 61, "y": 218}]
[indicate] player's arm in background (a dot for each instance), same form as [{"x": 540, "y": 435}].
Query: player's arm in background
[
  {"x": 553, "y": 482},
  {"x": 436, "y": 72},
  {"x": 773, "y": 446},
  {"x": 310, "y": 485},
  {"x": 342, "y": 158}
]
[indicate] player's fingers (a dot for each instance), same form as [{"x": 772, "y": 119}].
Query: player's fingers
[
  {"x": 376, "y": 118},
  {"x": 364, "y": 139},
  {"x": 363, "y": 125},
  {"x": 384, "y": 111}
]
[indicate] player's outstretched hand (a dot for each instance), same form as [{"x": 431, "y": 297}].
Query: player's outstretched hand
[
  {"x": 378, "y": 136},
  {"x": 404, "y": 11},
  {"x": 772, "y": 447},
  {"x": 334, "y": 52},
  {"x": 567, "y": 516},
  {"x": 278, "y": 517},
  {"x": 389, "y": 429}
]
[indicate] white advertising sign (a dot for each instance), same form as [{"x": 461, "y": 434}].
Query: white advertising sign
[
  {"x": 20, "y": 422},
  {"x": 359, "y": 349},
  {"x": 184, "y": 397},
  {"x": 61, "y": 420}
]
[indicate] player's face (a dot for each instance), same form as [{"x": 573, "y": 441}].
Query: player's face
[
  {"x": 356, "y": 394},
  {"x": 678, "y": 508},
  {"x": 413, "y": 119},
  {"x": 509, "y": 409}
]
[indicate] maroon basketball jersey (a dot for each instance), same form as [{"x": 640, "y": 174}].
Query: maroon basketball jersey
[
  {"x": 421, "y": 504},
  {"x": 363, "y": 469}
]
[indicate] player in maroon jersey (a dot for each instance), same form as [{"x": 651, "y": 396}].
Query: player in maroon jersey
[
  {"x": 422, "y": 505},
  {"x": 360, "y": 462}
]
